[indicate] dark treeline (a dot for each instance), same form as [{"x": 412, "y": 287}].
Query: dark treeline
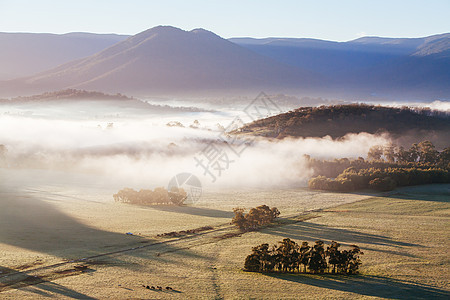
[
  {"x": 385, "y": 169},
  {"x": 255, "y": 218},
  {"x": 159, "y": 195},
  {"x": 70, "y": 94},
  {"x": 288, "y": 256}
]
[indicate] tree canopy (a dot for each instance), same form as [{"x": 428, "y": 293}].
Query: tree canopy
[
  {"x": 289, "y": 257},
  {"x": 386, "y": 168},
  {"x": 255, "y": 218}
]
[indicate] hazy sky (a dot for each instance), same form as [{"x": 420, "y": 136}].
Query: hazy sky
[{"x": 339, "y": 20}]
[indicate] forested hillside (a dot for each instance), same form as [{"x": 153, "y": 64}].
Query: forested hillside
[{"x": 339, "y": 120}]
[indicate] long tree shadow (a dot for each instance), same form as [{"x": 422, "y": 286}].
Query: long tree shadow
[
  {"x": 33, "y": 224},
  {"x": 48, "y": 289},
  {"x": 375, "y": 286},
  {"x": 196, "y": 211},
  {"x": 311, "y": 231},
  {"x": 36, "y": 285},
  {"x": 30, "y": 223}
]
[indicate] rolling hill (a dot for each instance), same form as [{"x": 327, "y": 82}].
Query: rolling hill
[{"x": 338, "y": 120}]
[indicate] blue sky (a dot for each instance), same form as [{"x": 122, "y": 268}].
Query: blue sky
[{"x": 338, "y": 20}]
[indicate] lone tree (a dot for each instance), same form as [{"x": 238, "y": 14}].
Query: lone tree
[
  {"x": 352, "y": 259},
  {"x": 304, "y": 254},
  {"x": 239, "y": 218},
  {"x": 317, "y": 262},
  {"x": 375, "y": 153},
  {"x": 334, "y": 254},
  {"x": 288, "y": 251},
  {"x": 427, "y": 152}
]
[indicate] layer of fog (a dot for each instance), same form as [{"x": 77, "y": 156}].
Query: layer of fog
[
  {"x": 289, "y": 102},
  {"x": 443, "y": 106},
  {"x": 143, "y": 152}
]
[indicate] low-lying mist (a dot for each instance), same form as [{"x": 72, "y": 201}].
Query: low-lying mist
[{"x": 145, "y": 153}]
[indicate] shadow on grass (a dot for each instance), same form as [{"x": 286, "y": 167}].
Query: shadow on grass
[
  {"x": 36, "y": 285},
  {"x": 49, "y": 289},
  {"x": 310, "y": 231},
  {"x": 430, "y": 192},
  {"x": 392, "y": 252},
  {"x": 196, "y": 211},
  {"x": 375, "y": 286},
  {"x": 30, "y": 223},
  {"x": 438, "y": 192}
]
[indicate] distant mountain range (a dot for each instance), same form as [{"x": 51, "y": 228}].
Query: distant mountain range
[
  {"x": 385, "y": 67},
  {"x": 24, "y": 54},
  {"x": 168, "y": 60}
]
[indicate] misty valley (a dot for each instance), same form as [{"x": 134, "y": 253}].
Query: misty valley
[
  {"x": 65, "y": 155},
  {"x": 181, "y": 164}
]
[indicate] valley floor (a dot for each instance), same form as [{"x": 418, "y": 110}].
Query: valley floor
[{"x": 404, "y": 236}]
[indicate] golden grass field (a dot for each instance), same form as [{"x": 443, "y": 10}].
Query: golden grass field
[{"x": 404, "y": 235}]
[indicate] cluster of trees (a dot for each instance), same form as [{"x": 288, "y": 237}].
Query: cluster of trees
[
  {"x": 379, "y": 179},
  {"x": 159, "y": 195},
  {"x": 423, "y": 153},
  {"x": 255, "y": 218},
  {"x": 386, "y": 168},
  {"x": 289, "y": 256}
]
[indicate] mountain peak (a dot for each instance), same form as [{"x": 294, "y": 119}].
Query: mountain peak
[
  {"x": 161, "y": 29},
  {"x": 205, "y": 33},
  {"x": 171, "y": 30},
  {"x": 169, "y": 59},
  {"x": 201, "y": 31},
  {"x": 164, "y": 29}
]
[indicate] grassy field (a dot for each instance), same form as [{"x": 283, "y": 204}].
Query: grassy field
[{"x": 404, "y": 235}]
